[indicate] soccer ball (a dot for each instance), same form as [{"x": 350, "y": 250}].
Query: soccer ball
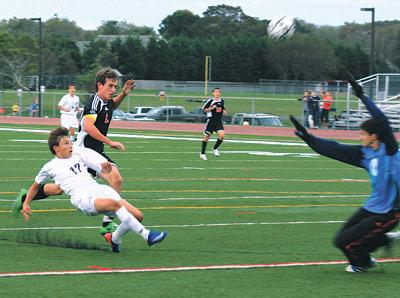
[
  {"x": 281, "y": 27},
  {"x": 245, "y": 123}
]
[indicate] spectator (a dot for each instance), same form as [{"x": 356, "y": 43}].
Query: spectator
[
  {"x": 306, "y": 100},
  {"x": 34, "y": 108},
  {"x": 327, "y": 101},
  {"x": 314, "y": 110}
]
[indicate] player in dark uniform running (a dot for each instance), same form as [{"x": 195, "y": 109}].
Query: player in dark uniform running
[
  {"x": 92, "y": 134},
  {"x": 215, "y": 109}
]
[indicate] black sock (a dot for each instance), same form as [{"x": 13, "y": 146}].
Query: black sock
[
  {"x": 219, "y": 141},
  {"x": 203, "y": 147},
  {"x": 40, "y": 195}
]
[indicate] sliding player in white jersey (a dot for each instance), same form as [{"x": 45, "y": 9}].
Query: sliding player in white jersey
[{"x": 69, "y": 171}]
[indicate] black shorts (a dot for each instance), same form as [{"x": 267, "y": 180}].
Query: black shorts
[
  {"x": 324, "y": 115},
  {"x": 213, "y": 126},
  {"x": 93, "y": 172}
]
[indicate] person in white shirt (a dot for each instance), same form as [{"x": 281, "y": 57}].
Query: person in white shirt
[
  {"x": 69, "y": 171},
  {"x": 69, "y": 107}
]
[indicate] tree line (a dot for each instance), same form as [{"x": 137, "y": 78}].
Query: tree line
[{"x": 239, "y": 46}]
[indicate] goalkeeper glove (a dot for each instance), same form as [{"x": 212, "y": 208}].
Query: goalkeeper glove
[
  {"x": 301, "y": 131},
  {"x": 357, "y": 88}
]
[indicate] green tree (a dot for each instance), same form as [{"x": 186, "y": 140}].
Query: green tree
[{"x": 180, "y": 23}]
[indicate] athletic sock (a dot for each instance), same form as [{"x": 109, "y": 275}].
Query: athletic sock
[
  {"x": 128, "y": 223},
  {"x": 203, "y": 147},
  {"x": 217, "y": 143},
  {"x": 40, "y": 195}
]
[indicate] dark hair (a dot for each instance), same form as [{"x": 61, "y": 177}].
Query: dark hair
[
  {"x": 373, "y": 126},
  {"x": 55, "y": 136},
  {"x": 216, "y": 88},
  {"x": 106, "y": 73},
  {"x": 71, "y": 85}
]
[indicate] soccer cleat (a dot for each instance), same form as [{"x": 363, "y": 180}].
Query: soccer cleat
[
  {"x": 108, "y": 227},
  {"x": 115, "y": 247},
  {"x": 156, "y": 237},
  {"x": 203, "y": 157},
  {"x": 17, "y": 205},
  {"x": 216, "y": 152},
  {"x": 359, "y": 269}
]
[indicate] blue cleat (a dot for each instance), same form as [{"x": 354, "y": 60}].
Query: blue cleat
[
  {"x": 359, "y": 269},
  {"x": 17, "y": 205},
  {"x": 115, "y": 247},
  {"x": 156, "y": 236}
]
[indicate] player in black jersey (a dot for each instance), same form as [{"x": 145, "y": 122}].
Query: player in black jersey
[
  {"x": 92, "y": 134},
  {"x": 215, "y": 109}
]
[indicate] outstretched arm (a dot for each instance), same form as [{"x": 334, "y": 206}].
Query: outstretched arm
[
  {"x": 350, "y": 154},
  {"x": 386, "y": 135},
  {"x": 26, "y": 209}
]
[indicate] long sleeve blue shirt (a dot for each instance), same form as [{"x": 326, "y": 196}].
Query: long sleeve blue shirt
[{"x": 383, "y": 165}]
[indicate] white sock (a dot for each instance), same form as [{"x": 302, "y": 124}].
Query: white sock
[{"x": 128, "y": 223}]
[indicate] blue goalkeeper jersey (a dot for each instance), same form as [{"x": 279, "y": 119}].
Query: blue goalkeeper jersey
[
  {"x": 383, "y": 165},
  {"x": 384, "y": 172}
]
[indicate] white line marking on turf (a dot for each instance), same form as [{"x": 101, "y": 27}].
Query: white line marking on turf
[
  {"x": 187, "y": 226},
  {"x": 260, "y": 142},
  {"x": 184, "y": 268}
]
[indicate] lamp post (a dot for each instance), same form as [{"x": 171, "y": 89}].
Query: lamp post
[
  {"x": 371, "y": 57},
  {"x": 40, "y": 64}
]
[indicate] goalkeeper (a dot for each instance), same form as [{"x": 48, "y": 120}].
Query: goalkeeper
[{"x": 366, "y": 229}]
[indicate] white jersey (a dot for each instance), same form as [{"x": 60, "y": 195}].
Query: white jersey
[
  {"x": 71, "y": 173},
  {"x": 71, "y": 103}
]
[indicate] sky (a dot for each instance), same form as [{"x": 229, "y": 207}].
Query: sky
[{"x": 89, "y": 14}]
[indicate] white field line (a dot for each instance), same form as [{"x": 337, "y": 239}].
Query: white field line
[
  {"x": 100, "y": 270},
  {"x": 134, "y": 136},
  {"x": 214, "y": 199},
  {"x": 202, "y": 225}
]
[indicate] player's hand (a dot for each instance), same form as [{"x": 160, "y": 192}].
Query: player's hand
[
  {"x": 357, "y": 88},
  {"x": 117, "y": 145},
  {"x": 128, "y": 86},
  {"x": 26, "y": 211},
  {"x": 301, "y": 131},
  {"x": 106, "y": 167}
]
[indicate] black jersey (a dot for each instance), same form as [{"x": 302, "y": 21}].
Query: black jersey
[
  {"x": 216, "y": 114},
  {"x": 101, "y": 112}
]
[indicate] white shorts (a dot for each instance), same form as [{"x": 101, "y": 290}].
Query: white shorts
[
  {"x": 69, "y": 121},
  {"x": 85, "y": 201}
]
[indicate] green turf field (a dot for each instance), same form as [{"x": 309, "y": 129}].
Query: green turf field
[{"x": 258, "y": 203}]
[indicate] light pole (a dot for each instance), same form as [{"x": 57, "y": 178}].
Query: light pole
[
  {"x": 371, "y": 57},
  {"x": 40, "y": 64}
]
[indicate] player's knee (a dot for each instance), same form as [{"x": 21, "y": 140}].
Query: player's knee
[
  {"x": 139, "y": 216},
  {"x": 338, "y": 242},
  {"x": 114, "y": 205}
]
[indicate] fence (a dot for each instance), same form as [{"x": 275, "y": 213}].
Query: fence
[{"x": 279, "y": 105}]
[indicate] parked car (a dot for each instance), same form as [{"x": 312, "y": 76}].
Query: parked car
[
  {"x": 120, "y": 115},
  {"x": 170, "y": 113},
  {"x": 200, "y": 116},
  {"x": 256, "y": 119},
  {"x": 140, "y": 110}
]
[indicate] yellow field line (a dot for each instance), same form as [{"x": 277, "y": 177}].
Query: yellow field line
[{"x": 210, "y": 207}]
